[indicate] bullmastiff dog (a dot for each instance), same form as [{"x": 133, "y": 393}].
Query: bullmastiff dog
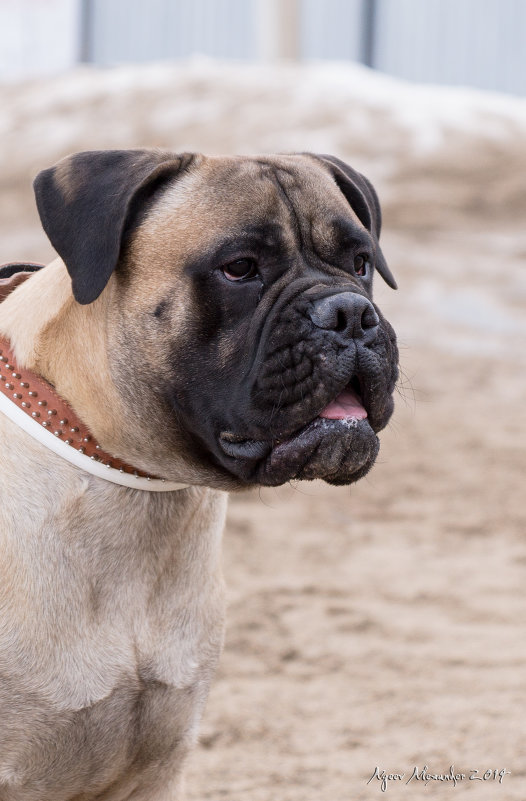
[{"x": 210, "y": 321}]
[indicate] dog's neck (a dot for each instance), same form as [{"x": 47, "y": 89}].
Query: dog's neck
[
  {"x": 63, "y": 342},
  {"x": 69, "y": 344},
  {"x": 145, "y": 553}
]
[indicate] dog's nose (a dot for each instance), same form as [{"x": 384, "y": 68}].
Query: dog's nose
[{"x": 347, "y": 313}]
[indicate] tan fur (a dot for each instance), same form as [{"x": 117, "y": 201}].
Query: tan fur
[
  {"x": 67, "y": 180},
  {"x": 111, "y": 599},
  {"x": 117, "y": 638},
  {"x": 65, "y": 342}
]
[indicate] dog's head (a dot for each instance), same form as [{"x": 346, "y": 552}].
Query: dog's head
[{"x": 241, "y": 322}]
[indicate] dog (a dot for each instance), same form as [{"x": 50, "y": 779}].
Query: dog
[{"x": 210, "y": 321}]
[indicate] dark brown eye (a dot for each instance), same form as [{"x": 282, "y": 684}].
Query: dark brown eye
[
  {"x": 361, "y": 264},
  {"x": 240, "y": 270}
]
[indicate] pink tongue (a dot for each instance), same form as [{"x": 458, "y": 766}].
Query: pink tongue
[{"x": 347, "y": 404}]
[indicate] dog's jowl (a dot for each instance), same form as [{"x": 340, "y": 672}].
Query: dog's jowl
[{"x": 208, "y": 326}]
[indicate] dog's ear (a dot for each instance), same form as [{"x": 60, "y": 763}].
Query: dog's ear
[
  {"x": 87, "y": 200},
  {"x": 364, "y": 201}
]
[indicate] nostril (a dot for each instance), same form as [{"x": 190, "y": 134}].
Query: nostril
[
  {"x": 346, "y": 313},
  {"x": 369, "y": 318}
]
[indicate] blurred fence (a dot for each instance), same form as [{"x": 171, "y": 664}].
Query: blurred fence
[{"x": 471, "y": 42}]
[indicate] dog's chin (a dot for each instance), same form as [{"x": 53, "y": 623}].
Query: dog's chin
[{"x": 337, "y": 451}]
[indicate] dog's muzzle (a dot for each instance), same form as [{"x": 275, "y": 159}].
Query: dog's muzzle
[{"x": 322, "y": 391}]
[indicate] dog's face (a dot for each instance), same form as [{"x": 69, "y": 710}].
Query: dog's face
[{"x": 242, "y": 324}]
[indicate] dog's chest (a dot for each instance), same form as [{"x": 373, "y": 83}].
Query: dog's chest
[
  {"x": 133, "y": 709},
  {"x": 122, "y": 643}
]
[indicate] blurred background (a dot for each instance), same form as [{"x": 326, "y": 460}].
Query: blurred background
[
  {"x": 381, "y": 624},
  {"x": 472, "y": 42}
]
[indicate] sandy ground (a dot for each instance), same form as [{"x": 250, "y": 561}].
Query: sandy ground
[{"x": 381, "y": 625}]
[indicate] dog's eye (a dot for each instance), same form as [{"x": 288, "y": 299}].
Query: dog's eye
[
  {"x": 361, "y": 264},
  {"x": 240, "y": 270}
]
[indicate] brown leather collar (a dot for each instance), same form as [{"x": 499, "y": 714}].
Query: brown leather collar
[{"x": 37, "y": 397}]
